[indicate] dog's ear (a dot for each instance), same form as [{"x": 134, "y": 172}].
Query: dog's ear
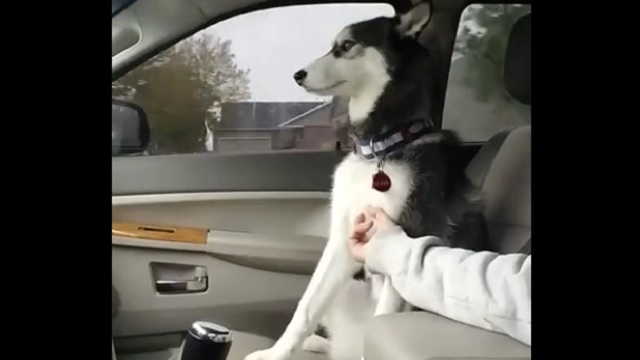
[{"x": 411, "y": 23}]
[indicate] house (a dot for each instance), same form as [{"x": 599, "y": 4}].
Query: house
[
  {"x": 265, "y": 126},
  {"x": 322, "y": 126}
]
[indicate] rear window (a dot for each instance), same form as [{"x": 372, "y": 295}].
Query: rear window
[{"x": 477, "y": 105}]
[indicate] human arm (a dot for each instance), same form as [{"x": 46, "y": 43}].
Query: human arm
[{"x": 484, "y": 289}]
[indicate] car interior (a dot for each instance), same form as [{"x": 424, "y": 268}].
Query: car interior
[{"x": 234, "y": 236}]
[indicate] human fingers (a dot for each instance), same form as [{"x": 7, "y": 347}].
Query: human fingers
[
  {"x": 360, "y": 218},
  {"x": 380, "y": 216},
  {"x": 357, "y": 248},
  {"x": 360, "y": 233},
  {"x": 363, "y": 227}
]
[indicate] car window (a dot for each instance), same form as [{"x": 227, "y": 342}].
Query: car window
[
  {"x": 229, "y": 88},
  {"x": 477, "y": 105}
]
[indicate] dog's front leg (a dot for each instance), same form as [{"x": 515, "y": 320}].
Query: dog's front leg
[
  {"x": 390, "y": 301},
  {"x": 333, "y": 271}
]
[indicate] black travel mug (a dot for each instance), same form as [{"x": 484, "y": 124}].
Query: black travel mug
[{"x": 206, "y": 341}]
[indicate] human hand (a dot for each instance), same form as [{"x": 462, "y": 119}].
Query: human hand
[{"x": 365, "y": 226}]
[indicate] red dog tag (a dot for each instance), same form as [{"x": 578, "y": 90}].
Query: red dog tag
[{"x": 381, "y": 181}]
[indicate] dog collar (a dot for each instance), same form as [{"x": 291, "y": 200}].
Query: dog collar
[{"x": 391, "y": 139}]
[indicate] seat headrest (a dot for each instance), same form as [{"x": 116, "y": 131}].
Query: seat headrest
[{"x": 517, "y": 63}]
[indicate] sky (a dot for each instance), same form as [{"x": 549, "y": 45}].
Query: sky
[{"x": 277, "y": 42}]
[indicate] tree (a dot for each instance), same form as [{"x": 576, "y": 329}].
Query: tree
[
  {"x": 485, "y": 49},
  {"x": 180, "y": 88}
]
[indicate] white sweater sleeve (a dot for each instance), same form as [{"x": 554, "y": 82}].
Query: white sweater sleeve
[{"x": 483, "y": 289}]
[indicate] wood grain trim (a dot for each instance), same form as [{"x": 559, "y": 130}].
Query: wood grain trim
[{"x": 163, "y": 233}]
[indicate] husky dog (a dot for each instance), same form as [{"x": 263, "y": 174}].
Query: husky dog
[{"x": 399, "y": 163}]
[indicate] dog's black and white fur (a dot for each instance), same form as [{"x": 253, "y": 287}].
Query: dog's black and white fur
[{"x": 390, "y": 80}]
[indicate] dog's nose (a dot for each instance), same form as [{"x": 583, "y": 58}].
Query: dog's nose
[{"x": 299, "y": 76}]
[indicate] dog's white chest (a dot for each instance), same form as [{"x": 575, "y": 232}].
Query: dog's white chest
[{"x": 354, "y": 186}]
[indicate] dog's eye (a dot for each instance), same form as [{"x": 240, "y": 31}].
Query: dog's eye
[{"x": 347, "y": 45}]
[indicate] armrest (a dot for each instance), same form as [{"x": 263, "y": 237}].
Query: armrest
[{"x": 425, "y": 336}]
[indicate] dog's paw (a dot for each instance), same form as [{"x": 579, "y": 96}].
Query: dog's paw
[
  {"x": 268, "y": 354},
  {"x": 317, "y": 344}
]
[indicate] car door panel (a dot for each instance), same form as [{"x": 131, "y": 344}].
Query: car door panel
[
  {"x": 261, "y": 249},
  {"x": 239, "y": 297},
  {"x": 275, "y": 171},
  {"x": 278, "y": 253}
]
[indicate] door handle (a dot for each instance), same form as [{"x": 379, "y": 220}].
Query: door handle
[{"x": 199, "y": 283}]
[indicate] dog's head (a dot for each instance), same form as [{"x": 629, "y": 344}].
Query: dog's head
[{"x": 365, "y": 59}]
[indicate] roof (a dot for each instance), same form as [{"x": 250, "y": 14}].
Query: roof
[
  {"x": 339, "y": 106},
  {"x": 304, "y": 114},
  {"x": 261, "y": 115}
]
